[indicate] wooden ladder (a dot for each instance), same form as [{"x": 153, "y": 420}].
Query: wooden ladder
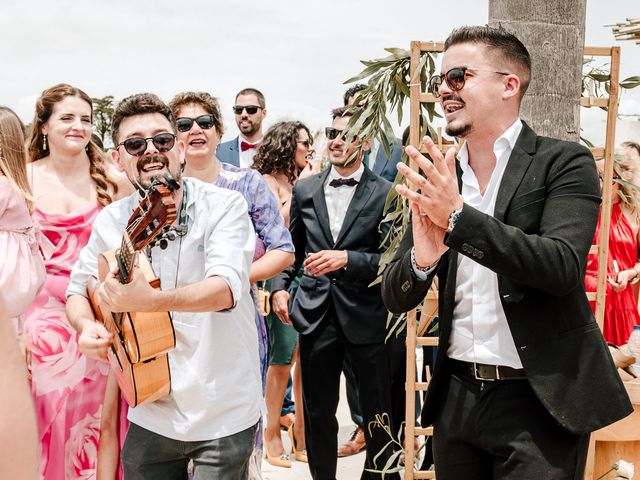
[{"x": 417, "y": 98}]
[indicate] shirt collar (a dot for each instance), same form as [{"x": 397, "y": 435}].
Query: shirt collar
[
  {"x": 510, "y": 136},
  {"x": 242, "y": 139}
]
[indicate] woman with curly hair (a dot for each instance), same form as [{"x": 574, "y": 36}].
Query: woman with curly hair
[
  {"x": 284, "y": 155},
  {"x": 70, "y": 182},
  {"x": 623, "y": 266}
]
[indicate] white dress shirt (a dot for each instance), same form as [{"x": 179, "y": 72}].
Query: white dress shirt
[
  {"x": 246, "y": 158},
  {"x": 216, "y": 388},
  {"x": 339, "y": 198},
  {"x": 480, "y": 332}
]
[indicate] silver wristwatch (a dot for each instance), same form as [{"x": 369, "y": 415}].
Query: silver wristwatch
[{"x": 453, "y": 219}]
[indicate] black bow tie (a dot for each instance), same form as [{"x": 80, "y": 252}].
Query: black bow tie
[{"x": 339, "y": 182}]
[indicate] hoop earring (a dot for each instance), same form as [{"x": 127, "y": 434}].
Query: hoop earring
[{"x": 44, "y": 142}]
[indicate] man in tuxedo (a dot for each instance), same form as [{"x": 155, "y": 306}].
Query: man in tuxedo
[
  {"x": 523, "y": 374},
  {"x": 250, "y": 110},
  {"x": 335, "y": 218}
]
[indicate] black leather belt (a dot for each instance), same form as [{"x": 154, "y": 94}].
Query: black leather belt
[{"x": 482, "y": 371}]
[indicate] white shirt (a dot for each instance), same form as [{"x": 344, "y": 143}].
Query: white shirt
[
  {"x": 246, "y": 158},
  {"x": 480, "y": 332},
  {"x": 339, "y": 198},
  {"x": 216, "y": 388}
]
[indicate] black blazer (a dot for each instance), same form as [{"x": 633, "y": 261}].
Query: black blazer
[
  {"x": 537, "y": 242},
  {"x": 358, "y": 307}
]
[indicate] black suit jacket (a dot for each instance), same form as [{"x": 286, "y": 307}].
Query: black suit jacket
[
  {"x": 537, "y": 243},
  {"x": 358, "y": 307}
]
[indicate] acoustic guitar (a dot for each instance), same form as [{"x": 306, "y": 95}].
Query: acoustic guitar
[{"x": 141, "y": 340}]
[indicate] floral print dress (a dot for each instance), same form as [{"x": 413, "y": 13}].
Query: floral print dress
[{"x": 68, "y": 387}]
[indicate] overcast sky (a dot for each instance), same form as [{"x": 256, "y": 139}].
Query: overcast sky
[{"x": 298, "y": 53}]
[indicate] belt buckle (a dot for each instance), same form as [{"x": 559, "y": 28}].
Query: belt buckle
[{"x": 476, "y": 373}]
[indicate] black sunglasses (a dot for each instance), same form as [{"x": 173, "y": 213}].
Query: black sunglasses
[
  {"x": 455, "y": 78},
  {"x": 136, "y": 146},
  {"x": 307, "y": 143},
  {"x": 251, "y": 109},
  {"x": 333, "y": 133},
  {"x": 184, "y": 124}
]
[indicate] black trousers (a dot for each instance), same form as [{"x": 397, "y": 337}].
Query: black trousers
[
  {"x": 500, "y": 430},
  {"x": 321, "y": 357}
]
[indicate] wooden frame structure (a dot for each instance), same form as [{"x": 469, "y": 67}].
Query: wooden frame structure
[{"x": 418, "y": 97}]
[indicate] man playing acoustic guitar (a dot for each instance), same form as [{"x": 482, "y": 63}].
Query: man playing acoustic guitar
[{"x": 211, "y": 414}]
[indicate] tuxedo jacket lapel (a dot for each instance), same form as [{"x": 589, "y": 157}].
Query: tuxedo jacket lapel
[
  {"x": 320, "y": 205},
  {"x": 517, "y": 166}
]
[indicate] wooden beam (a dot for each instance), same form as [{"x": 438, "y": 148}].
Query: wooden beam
[
  {"x": 594, "y": 102},
  {"x": 420, "y": 475},
  {"x": 427, "y": 341},
  {"x": 428, "y": 98},
  {"x": 431, "y": 46},
  {"x": 598, "y": 51}
]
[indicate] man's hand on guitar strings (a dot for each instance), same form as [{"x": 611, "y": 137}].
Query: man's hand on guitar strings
[
  {"x": 94, "y": 340},
  {"x": 135, "y": 296}
]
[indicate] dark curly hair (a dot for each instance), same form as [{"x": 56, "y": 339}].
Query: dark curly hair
[
  {"x": 206, "y": 101},
  {"x": 277, "y": 151}
]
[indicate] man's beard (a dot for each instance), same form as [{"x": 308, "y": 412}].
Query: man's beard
[
  {"x": 457, "y": 131},
  {"x": 250, "y": 129},
  {"x": 158, "y": 158},
  {"x": 460, "y": 130}
]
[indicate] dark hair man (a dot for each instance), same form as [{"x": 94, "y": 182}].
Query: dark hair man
[
  {"x": 520, "y": 352},
  {"x": 334, "y": 226},
  {"x": 250, "y": 110},
  {"x": 211, "y": 414}
]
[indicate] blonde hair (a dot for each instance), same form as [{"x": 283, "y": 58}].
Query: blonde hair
[
  {"x": 13, "y": 157},
  {"x": 625, "y": 168},
  {"x": 44, "y": 109}
]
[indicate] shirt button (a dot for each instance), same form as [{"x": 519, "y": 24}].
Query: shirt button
[{"x": 333, "y": 281}]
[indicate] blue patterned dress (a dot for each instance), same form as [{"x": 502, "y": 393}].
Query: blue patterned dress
[{"x": 271, "y": 234}]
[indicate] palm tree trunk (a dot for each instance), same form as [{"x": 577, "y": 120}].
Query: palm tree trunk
[{"x": 553, "y": 32}]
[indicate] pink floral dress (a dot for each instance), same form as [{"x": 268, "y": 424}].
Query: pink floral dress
[{"x": 68, "y": 388}]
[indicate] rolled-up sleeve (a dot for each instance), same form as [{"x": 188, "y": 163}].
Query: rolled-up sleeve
[{"x": 229, "y": 246}]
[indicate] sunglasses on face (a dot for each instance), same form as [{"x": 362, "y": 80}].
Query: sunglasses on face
[
  {"x": 184, "y": 124},
  {"x": 333, "y": 133},
  {"x": 136, "y": 146},
  {"x": 455, "y": 78},
  {"x": 307, "y": 143},
  {"x": 251, "y": 109}
]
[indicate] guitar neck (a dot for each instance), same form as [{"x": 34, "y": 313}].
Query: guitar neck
[{"x": 125, "y": 257}]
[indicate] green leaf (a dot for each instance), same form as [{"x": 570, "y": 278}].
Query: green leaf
[
  {"x": 631, "y": 82},
  {"x": 421, "y": 63},
  {"x": 398, "y": 52}
]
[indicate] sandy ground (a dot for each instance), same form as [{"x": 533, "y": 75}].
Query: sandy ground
[{"x": 349, "y": 468}]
